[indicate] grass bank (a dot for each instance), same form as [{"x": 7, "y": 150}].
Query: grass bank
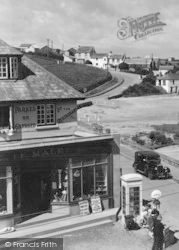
[{"x": 82, "y": 77}]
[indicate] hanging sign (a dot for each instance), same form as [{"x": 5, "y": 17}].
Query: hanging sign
[
  {"x": 96, "y": 204},
  {"x": 84, "y": 207}
]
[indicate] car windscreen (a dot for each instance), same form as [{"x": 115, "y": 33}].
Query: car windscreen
[{"x": 153, "y": 158}]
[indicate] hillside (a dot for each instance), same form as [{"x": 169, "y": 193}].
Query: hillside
[{"x": 81, "y": 77}]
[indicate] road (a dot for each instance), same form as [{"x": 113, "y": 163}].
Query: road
[
  {"x": 129, "y": 79},
  {"x": 170, "y": 188}
]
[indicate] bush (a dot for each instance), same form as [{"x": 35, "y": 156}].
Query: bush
[
  {"x": 160, "y": 138},
  {"x": 136, "y": 138},
  {"x": 123, "y": 66}
]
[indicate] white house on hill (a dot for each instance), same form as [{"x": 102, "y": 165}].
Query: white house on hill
[
  {"x": 169, "y": 82},
  {"x": 28, "y": 47},
  {"x": 99, "y": 60}
]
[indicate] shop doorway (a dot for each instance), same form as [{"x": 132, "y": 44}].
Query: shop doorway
[{"x": 35, "y": 193}]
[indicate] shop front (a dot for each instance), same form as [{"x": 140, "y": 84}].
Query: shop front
[{"x": 55, "y": 178}]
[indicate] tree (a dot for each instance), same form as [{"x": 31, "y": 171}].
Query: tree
[{"x": 123, "y": 66}]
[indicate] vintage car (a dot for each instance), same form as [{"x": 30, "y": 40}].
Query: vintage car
[{"x": 149, "y": 164}]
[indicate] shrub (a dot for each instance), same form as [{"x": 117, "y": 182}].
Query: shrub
[
  {"x": 136, "y": 138},
  {"x": 160, "y": 138}
]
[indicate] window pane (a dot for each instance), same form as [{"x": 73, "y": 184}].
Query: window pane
[
  {"x": 3, "y": 200},
  {"x": 134, "y": 200},
  {"x": 50, "y": 110},
  {"x": 88, "y": 181},
  {"x": 40, "y": 114},
  {"x": 46, "y": 114},
  {"x": 14, "y": 67},
  {"x": 3, "y": 67},
  {"x": 76, "y": 183},
  {"x": 101, "y": 179}
]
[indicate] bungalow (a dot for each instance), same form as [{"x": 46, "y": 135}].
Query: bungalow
[
  {"x": 138, "y": 61},
  {"x": 169, "y": 82},
  {"x": 28, "y": 47}
]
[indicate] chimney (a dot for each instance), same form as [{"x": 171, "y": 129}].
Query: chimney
[
  {"x": 52, "y": 44},
  {"x": 48, "y": 41}
]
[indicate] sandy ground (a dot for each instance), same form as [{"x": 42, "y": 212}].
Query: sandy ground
[{"x": 128, "y": 116}]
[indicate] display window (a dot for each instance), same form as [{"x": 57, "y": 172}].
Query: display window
[
  {"x": 5, "y": 191},
  {"x": 89, "y": 176},
  {"x": 60, "y": 185}
]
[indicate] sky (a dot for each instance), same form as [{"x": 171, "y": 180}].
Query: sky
[{"x": 73, "y": 23}]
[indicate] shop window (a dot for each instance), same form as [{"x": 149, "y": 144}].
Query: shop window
[
  {"x": 90, "y": 178},
  {"x": 60, "y": 185},
  {"x": 45, "y": 114},
  {"x": 16, "y": 192},
  {"x": 5, "y": 191},
  {"x": 134, "y": 201},
  {"x": 101, "y": 179},
  {"x": 77, "y": 183},
  {"x": 4, "y": 114}
]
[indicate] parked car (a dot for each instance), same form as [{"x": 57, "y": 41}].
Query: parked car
[{"x": 149, "y": 164}]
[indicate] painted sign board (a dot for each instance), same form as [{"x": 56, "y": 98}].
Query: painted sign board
[
  {"x": 84, "y": 207},
  {"x": 96, "y": 204}
]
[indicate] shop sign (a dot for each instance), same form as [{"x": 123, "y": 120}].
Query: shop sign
[
  {"x": 139, "y": 28},
  {"x": 84, "y": 207},
  {"x": 39, "y": 153},
  {"x": 96, "y": 204}
]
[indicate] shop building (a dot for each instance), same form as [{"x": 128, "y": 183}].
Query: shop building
[{"x": 46, "y": 162}]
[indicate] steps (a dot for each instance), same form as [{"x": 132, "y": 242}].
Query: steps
[{"x": 52, "y": 227}]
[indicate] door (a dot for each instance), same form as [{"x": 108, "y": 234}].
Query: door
[{"x": 35, "y": 192}]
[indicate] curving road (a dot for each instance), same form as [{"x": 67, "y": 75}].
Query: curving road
[{"x": 129, "y": 79}]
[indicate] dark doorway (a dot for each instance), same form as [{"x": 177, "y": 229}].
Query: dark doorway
[{"x": 35, "y": 193}]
